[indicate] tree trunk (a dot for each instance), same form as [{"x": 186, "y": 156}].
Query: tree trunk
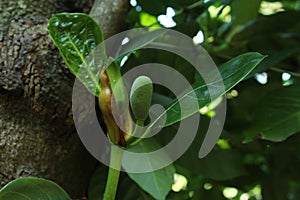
[{"x": 37, "y": 134}]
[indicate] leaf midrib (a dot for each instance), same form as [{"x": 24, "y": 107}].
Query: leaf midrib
[
  {"x": 198, "y": 88},
  {"x": 84, "y": 63},
  {"x": 283, "y": 120}
]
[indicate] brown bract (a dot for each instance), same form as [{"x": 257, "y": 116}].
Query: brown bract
[{"x": 107, "y": 105}]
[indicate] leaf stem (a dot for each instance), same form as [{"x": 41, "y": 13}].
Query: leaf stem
[
  {"x": 282, "y": 71},
  {"x": 137, "y": 130},
  {"x": 113, "y": 173},
  {"x": 139, "y": 126}
]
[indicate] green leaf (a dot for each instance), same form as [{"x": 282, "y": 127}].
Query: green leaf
[
  {"x": 132, "y": 192},
  {"x": 138, "y": 38},
  {"x": 157, "y": 183},
  {"x": 219, "y": 164},
  {"x": 272, "y": 61},
  {"x": 232, "y": 73},
  {"x": 242, "y": 11},
  {"x": 277, "y": 116},
  {"x": 32, "y": 189},
  {"x": 263, "y": 26},
  {"x": 117, "y": 85},
  {"x": 161, "y": 99},
  {"x": 222, "y": 165},
  {"x": 97, "y": 183},
  {"x": 76, "y": 36}
]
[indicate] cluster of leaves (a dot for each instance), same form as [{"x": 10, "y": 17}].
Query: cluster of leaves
[{"x": 257, "y": 153}]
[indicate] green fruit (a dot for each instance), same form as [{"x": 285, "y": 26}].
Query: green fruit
[{"x": 140, "y": 97}]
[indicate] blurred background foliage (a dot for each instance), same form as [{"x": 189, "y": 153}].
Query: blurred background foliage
[{"x": 258, "y": 154}]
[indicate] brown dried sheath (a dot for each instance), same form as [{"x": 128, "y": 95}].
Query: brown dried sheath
[{"x": 105, "y": 100}]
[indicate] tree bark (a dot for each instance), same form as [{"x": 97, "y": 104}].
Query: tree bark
[
  {"x": 110, "y": 15},
  {"x": 37, "y": 134}
]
